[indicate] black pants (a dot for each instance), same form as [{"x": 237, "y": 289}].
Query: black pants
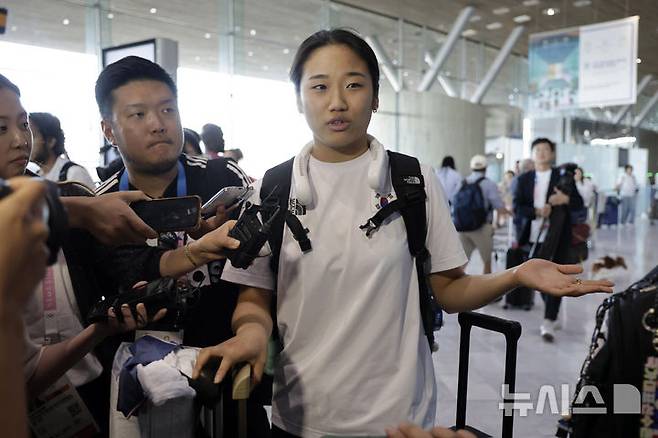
[
  {"x": 551, "y": 306},
  {"x": 278, "y": 433},
  {"x": 551, "y": 303}
]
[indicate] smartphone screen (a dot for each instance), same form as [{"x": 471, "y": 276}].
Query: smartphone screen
[
  {"x": 227, "y": 196},
  {"x": 170, "y": 214}
]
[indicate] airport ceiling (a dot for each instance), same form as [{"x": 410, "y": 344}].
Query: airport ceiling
[{"x": 267, "y": 31}]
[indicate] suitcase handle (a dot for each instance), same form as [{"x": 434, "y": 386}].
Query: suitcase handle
[{"x": 512, "y": 332}]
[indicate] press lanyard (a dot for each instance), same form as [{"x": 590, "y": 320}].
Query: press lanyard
[
  {"x": 49, "y": 295},
  {"x": 181, "y": 184}
]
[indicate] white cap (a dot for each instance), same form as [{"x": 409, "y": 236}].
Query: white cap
[{"x": 479, "y": 162}]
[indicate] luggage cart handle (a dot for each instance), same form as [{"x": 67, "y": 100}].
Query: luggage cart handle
[
  {"x": 512, "y": 332},
  {"x": 511, "y": 329}
]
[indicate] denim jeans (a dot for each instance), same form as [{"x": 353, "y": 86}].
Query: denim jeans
[{"x": 628, "y": 209}]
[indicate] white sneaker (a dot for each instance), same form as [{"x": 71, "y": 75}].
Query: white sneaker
[
  {"x": 547, "y": 330},
  {"x": 557, "y": 325}
]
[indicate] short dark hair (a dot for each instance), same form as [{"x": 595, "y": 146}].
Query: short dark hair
[
  {"x": 50, "y": 128},
  {"x": 339, "y": 36},
  {"x": 6, "y": 83},
  {"x": 448, "y": 161},
  {"x": 628, "y": 166},
  {"x": 543, "y": 140},
  {"x": 192, "y": 137},
  {"x": 125, "y": 70}
]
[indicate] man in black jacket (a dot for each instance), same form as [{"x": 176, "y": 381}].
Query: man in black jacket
[
  {"x": 543, "y": 200},
  {"x": 138, "y": 105}
]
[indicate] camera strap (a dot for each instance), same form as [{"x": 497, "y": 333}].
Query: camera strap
[{"x": 181, "y": 181}]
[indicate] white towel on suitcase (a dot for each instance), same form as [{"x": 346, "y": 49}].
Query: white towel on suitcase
[{"x": 162, "y": 381}]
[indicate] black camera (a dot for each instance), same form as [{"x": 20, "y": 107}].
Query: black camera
[
  {"x": 163, "y": 293},
  {"x": 53, "y": 214},
  {"x": 252, "y": 232}
]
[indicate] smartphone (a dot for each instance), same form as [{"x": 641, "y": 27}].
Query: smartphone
[
  {"x": 170, "y": 214},
  {"x": 227, "y": 196}
]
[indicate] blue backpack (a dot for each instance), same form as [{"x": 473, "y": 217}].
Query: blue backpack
[{"x": 469, "y": 211}]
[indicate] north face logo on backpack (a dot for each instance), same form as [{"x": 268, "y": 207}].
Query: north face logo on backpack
[
  {"x": 295, "y": 207},
  {"x": 412, "y": 180}
]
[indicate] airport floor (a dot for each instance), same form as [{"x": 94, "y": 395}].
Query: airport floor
[{"x": 538, "y": 363}]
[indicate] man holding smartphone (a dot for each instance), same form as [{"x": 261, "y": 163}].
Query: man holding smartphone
[{"x": 137, "y": 100}]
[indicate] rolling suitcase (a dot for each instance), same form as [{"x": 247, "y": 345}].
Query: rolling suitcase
[
  {"x": 610, "y": 215},
  {"x": 211, "y": 397},
  {"x": 512, "y": 332}
]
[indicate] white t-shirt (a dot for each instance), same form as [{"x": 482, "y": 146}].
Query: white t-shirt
[
  {"x": 450, "y": 180},
  {"x": 542, "y": 181},
  {"x": 66, "y": 321},
  {"x": 586, "y": 190},
  {"x": 355, "y": 357},
  {"x": 627, "y": 185},
  {"x": 73, "y": 173}
]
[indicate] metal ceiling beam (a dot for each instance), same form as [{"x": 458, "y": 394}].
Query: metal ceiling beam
[
  {"x": 591, "y": 114},
  {"x": 428, "y": 80},
  {"x": 645, "y": 111},
  {"x": 443, "y": 81},
  {"x": 447, "y": 86},
  {"x": 497, "y": 65},
  {"x": 387, "y": 66},
  {"x": 640, "y": 88}
]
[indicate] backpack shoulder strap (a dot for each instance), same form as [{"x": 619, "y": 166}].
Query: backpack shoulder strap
[
  {"x": 65, "y": 170},
  {"x": 409, "y": 186},
  {"x": 277, "y": 181}
]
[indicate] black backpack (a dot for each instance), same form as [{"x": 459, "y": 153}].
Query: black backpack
[
  {"x": 409, "y": 186},
  {"x": 469, "y": 210},
  {"x": 65, "y": 170}
]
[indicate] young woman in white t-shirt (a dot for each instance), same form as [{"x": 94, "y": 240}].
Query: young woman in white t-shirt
[{"x": 355, "y": 358}]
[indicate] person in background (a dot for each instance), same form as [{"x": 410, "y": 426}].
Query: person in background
[
  {"x": 536, "y": 196},
  {"x": 192, "y": 141},
  {"x": 482, "y": 238},
  {"x": 213, "y": 140},
  {"x": 585, "y": 187},
  {"x": 61, "y": 345},
  {"x": 49, "y": 153},
  {"x": 23, "y": 255},
  {"x": 627, "y": 187},
  {"x": 450, "y": 179},
  {"x": 526, "y": 165}
]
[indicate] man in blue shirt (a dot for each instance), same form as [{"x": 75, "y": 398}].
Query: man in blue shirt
[{"x": 482, "y": 238}]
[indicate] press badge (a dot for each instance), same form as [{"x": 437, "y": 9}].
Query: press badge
[{"x": 59, "y": 412}]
